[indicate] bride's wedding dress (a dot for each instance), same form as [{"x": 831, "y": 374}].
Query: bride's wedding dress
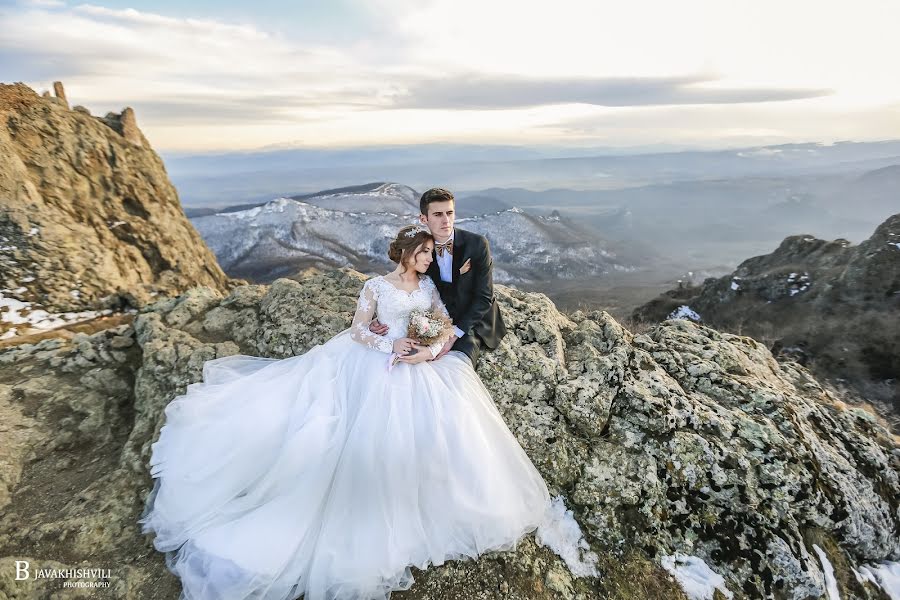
[{"x": 328, "y": 475}]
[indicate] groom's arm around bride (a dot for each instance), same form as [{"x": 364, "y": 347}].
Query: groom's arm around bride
[{"x": 462, "y": 270}]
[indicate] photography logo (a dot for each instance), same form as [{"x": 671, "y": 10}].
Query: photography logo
[{"x": 74, "y": 577}]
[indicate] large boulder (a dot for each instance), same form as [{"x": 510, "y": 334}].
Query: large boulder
[
  {"x": 678, "y": 441},
  {"x": 88, "y": 217}
]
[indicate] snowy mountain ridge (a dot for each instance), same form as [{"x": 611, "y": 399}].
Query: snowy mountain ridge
[{"x": 354, "y": 228}]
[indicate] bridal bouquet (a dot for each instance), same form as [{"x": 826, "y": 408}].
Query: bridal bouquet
[{"x": 426, "y": 327}]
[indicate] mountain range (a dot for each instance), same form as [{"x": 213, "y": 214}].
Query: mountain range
[{"x": 353, "y": 226}]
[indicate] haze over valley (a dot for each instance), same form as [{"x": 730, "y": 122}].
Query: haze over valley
[{"x": 608, "y": 231}]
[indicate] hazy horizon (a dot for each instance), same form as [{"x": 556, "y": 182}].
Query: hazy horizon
[{"x": 539, "y": 150}]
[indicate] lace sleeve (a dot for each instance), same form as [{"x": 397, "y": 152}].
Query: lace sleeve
[
  {"x": 365, "y": 311},
  {"x": 438, "y": 306}
]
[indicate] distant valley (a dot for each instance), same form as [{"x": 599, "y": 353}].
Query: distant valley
[{"x": 610, "y": 232}]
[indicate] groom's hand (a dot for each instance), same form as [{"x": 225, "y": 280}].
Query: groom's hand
[
  {"x": 422, "y": 355},
  {"x": 447, "y": 346},
  {"x": 377, "y": 328}
]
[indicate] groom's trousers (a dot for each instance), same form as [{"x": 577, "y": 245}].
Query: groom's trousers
[{"x": 470, "y": 345}]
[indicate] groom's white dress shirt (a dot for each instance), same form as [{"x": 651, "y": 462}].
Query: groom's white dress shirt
[{"x": 445, "y": 264}]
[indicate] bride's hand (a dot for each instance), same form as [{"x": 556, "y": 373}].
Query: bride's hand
[
  {"x": 422, "y": 355},
  {"x": 402, "y": 345}
]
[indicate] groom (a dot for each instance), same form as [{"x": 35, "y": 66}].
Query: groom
[{"x": 462, "y": 271}]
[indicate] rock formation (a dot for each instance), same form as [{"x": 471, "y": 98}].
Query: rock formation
[
  {"x": 88, "y": 216},
  {"x": 680, "y": 439},
  {"x": 60, "y": 93},
  {"x": 831, "y": 305}
]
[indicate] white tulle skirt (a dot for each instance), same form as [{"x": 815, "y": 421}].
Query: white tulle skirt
[{"x": 325, "y": 475}]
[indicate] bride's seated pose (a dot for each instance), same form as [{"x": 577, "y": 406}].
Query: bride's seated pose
[{"x": 329, "y": 474}]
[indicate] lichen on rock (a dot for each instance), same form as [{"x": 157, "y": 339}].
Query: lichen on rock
[{"x": 680, "y": 439}]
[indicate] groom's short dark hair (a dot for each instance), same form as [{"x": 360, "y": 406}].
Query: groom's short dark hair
[{"x": 434, "y": 195}]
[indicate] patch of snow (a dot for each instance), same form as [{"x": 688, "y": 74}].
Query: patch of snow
[
  {"x": 735, "y": 285},
  {"x": 894, "y": 244},
  {"x": 116, "y": 224},
  {"x": 864, "y": 575},
  {"x": 802, "y": 280},
  {"x": 20, "y": 312},
  {"x": 33, "y": 231},
  {"x": 273, "y": 206},
  {"x": 696, "y": 578},
  {"x": 885, "y": 575},
  {"x": 28, "y": 279},
  {"x": 684, "y": 312},
  {"x": 560, "y": 532},
  {"x": 831, "y": 588}
]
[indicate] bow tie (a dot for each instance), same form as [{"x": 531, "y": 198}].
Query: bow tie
[{"x": 439, "y": 248}]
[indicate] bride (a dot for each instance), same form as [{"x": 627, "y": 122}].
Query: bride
[{"x": 329, "y": 475}]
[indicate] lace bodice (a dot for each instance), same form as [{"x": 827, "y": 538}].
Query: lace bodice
[{"x": 392, "y": 306}]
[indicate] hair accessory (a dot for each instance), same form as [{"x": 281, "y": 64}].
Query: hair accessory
[{"x": 414, "y": 232}]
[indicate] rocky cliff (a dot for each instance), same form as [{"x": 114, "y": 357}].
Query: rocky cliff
[
  {"x": 677, "y": 442},
  {"x": 88, "y": 216},
  {"x": 830, "y": 305}
]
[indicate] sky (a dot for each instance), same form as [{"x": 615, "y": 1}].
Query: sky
[{"x": 220, "y": 75}]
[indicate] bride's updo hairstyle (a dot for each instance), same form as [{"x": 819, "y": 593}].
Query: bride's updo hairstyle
[{"x": 408, "y": 239}]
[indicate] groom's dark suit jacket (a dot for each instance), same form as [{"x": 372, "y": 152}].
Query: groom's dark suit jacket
[{"x": 470, "y": 296}]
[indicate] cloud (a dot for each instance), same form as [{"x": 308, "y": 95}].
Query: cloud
[
  {"x": 259, "y": 109},
  {"x": 130, "y": 17},
  {"x": 106, "y": 56},
  {"x": 481, "y": 92},
  {"x": 44, "y": 3},
  {"x": 745, "y": 124},
  {"x": 381, "y": 71}
]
